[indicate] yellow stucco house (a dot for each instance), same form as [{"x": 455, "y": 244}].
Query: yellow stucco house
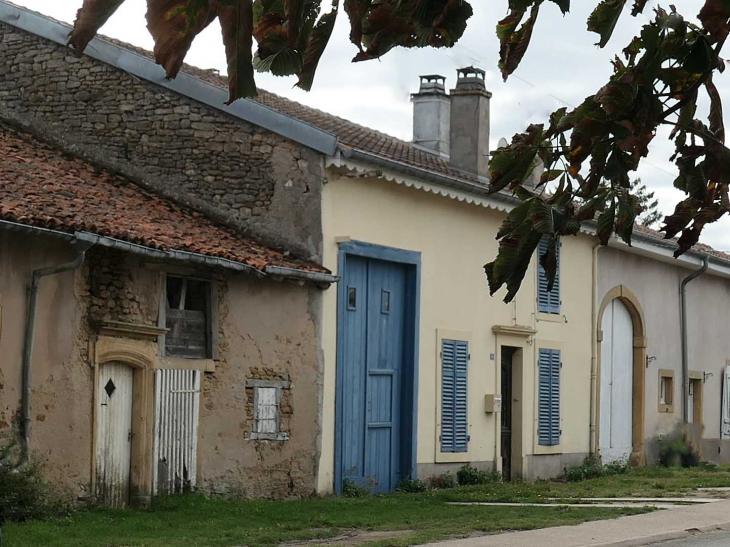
[{"x": 424, "y": 371}]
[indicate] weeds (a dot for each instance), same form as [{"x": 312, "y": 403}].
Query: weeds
[
  {"x": 592, "y": 468},
  {"x": 676, "y": 450},
  {"x": 470, "y": 476}
]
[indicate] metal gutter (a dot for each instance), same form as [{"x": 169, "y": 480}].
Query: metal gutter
[
  {"x": 685, "y": 352},
  {"x": 29, "y": 338},
  {"x": 185, "y": 84},
  {"x": 302, "y": 274},
  {"x": 181, "y": 256}
]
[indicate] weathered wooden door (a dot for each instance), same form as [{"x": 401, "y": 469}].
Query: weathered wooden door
[
  {"x": 114, "y": 434},
  {"x": 616, "y": 429},
  {"x": 373, "y": 333},
  {"x": 177, "y": 410},
  {"x": 506, "y": 414}
]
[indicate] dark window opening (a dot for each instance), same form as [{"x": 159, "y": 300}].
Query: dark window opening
[{"x": 187, "y": 318}]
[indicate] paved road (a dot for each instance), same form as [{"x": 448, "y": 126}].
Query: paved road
[{"x": 717, "y": 539}]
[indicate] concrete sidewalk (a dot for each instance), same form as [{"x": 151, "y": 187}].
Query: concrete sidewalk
[{"x": 625, "y": 531}]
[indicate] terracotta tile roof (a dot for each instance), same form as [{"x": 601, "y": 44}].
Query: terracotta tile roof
[
  {"x": 350, "y": 134},
  {"x": 43, "y": 187}
]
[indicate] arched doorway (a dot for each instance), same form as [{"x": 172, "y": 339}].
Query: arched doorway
[{"x": 621, "y": 377}]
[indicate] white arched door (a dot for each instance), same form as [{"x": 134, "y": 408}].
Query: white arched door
[{"x": 617, "y": 358}]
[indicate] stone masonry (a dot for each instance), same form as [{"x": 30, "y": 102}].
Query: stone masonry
[{"x": 238, "y": 173}]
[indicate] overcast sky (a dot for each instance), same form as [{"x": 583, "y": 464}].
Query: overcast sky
[{"x": 561, "y": 68}]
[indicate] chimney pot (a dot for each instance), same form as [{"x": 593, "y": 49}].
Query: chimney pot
[
  {"x": 431, "y": 115},
  {"x": 469, "y": 135}
]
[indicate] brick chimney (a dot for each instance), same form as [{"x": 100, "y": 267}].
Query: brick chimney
[
  {"x": 431, "y": 115},
  {"x": 470, "y": 123}
]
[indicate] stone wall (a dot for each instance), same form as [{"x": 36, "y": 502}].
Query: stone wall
[{"x": 236, "y": 172}]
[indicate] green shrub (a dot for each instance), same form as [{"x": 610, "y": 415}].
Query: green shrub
[
  {"x": 411, "y": 486},
  {"x": 441, "y": 482},
  {"x": 676, "y": 450},
  {"x": 468, "y": 476},
  {"x": 351, "y": 490},
  {"x": 23, "y": 494},
  {"x": 591, "y": 468}
]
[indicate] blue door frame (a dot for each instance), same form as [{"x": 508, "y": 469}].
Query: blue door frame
[{"x": 409, "y": 413}]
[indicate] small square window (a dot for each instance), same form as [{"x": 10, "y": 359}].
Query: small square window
[
  {"x": 187, "y": 316},
  {"x": 267, "y": 410},
  {"x": 666, "y": 391},
  {"x": 267, "y": 395}
]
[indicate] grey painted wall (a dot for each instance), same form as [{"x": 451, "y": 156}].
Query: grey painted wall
[{"x": 656, "y": 285}]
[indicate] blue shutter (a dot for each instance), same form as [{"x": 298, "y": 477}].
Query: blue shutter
[
  {"x": 448, "y": 383},
  {"x": 547, "y": 302},
  {"x": 454, "y": 401},
  {"x": 555, "y": 398},
  {"x": 461, "y": 412},
  {"x": 548, "y": 425}
]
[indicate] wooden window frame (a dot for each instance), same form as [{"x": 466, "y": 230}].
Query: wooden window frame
[
  {"x": 254, "y": 434},
  {"x": 696, "y": 378},
  {"x": 211, "y": 312},
  {"x": 666, "y": 376}
]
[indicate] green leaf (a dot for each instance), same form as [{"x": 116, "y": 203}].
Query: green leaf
[
  {"x": 639, "y": 6},
  {"x": 604, "y": 18},
  {"x": 316, "y": 45},
  {"x": 605, "y": 224},
  {"x": 717, "y": 125},
  {"x": 173, "y": 26},
  {"x": 236, "y": 17},
  {"x": 513, "y": 42},
  {"x": 564, "y": 5},
  {"x": 89, "y": 19}
]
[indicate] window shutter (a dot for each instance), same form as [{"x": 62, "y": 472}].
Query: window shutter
[
  {"x": 461, "y": 426},
  {"x": 454, "y": 396},
  {"x": 547, "y": 302},
  {"x": 549, "y": 398},
  {"x": 448, "y": 383},
  {"x": 555, "y": 398}
]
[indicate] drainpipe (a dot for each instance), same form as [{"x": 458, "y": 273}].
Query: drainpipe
[
  {"x": 685, "y": 359},
  {"x": 592, "y": 446},
  {"x": 30, "y": 334}
]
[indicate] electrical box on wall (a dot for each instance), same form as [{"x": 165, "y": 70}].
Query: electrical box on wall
[{"x": 492, "y": 403}]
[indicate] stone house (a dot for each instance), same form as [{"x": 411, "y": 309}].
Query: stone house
[{"x": 160, "y": 349}]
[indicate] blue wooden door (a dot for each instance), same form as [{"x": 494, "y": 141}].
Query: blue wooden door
[{"x": 373, "y": 362}]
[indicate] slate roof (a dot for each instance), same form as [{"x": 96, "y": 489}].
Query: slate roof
[{"x": 41, "y": 186}]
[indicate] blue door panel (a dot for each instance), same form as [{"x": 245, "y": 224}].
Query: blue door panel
[
  {"x": 374, "y": 333},
  {"x": 353, "y": 430}
]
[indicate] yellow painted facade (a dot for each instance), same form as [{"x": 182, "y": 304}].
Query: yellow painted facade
[{"x": 456, "y": 239}]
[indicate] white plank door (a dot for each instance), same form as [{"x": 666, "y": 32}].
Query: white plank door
[
  {"x": 725, "y": 426},
  {"x": 114, "y": 434},
  {"x": 177, "y": 410},
  {"x": 616, "y": 383}
]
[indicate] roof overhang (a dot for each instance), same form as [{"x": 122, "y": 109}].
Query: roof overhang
[
  {"x": 183, "y": 84},
  {"x": 274, "y": 272}
]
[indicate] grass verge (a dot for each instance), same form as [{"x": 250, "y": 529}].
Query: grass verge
[{"x": 199, "y": 522}]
